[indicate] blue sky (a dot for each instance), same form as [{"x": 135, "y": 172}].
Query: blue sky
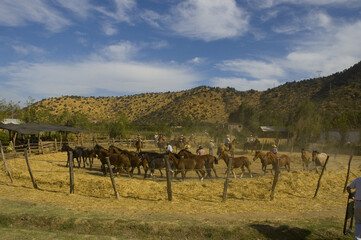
[{"x": 51, "y": 48}]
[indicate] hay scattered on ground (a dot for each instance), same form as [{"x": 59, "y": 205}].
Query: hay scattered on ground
[{"x": 293, "y": 196}]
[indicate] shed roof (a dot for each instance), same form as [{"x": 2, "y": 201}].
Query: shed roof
[
  {"x": 35, "y": 128},
  {"x": 272, "y": 129}
]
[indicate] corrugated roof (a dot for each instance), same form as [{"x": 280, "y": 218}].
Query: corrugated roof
[
  {"x": 35, "y": 128},
  {"x": 272, "y": 129}
]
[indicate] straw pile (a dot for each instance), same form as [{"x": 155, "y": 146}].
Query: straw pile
[{"x": 246, "y": 197}]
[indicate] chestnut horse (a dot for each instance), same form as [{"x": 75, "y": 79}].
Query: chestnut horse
[
  {"x": 261, "y": 155},
  {"x": 237, "y": 162},
  {"x": 202, "y": 160},
  {"x": 183, "y": 164},
  {"x": 284, "y": 160},
  {"x": 306, "y": 158}
]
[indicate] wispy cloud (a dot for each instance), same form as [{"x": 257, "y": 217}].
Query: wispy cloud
[
  {"x": 21, "y": 12},
  {"x": 54, "y": 79},
  {"x": 26, "y": 49},
  {"x": 252, "y": 68},
  {"x": 207, "y": 20}
]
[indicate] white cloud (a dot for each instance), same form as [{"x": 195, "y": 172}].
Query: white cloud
[
  {"x": 80, "y": 7},
  {"x": 251, "y": 68},
  {"x": 26, "y": 49},
  {"x": 273, "y": 3},
  {"x": 121, "y": 51},
  {"x": 15, "y": 13},
  {"x": 55, "y": 79},
  {"x": 328, "y": 52},
  {"x": 208, "y": 20},
  {"x": 196, "y": 60},
  {"x": 242, "y": 84},
  {"x": 109, "y": 29},
  {"x": 315, "y": 20}
]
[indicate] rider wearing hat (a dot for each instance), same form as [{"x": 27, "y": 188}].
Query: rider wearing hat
[
  {"x": 201, "y": 151},
  {"x": 274, "y": 149}
]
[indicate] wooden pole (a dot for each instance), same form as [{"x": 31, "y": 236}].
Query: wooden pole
[
  {"x": 61, "y": 140},
  {"x": 71, "y": 171},
  {"x": 56, "y": 145},
  {"x": 227, "y": 180},
  {"x": 275, "y": 179},
  {"x": 29, "y": 147},
  {"x": 6, "y": 164},
  {"x": 42, "y": 147},
  {"x": 112, "y": 178},
  {"x": 169, "y": 180},
  {"x": 319, "y": 180},
  {"x": 31, "y": 174},
  {"x": 348, "y": 173}
]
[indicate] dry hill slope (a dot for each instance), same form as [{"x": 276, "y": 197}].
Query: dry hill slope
[{"x": 337, "y": 93}]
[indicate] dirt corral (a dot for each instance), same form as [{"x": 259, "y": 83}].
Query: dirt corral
[{"x": 248, "y": 199}]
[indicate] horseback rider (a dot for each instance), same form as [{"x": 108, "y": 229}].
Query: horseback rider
[
  {"x": 227, "y": 141},
  {"x": 274, "y": 149},
  {"x": 200, "y": 151}
]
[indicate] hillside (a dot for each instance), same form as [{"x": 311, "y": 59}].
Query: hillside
[{"x": 336, "y": 93}]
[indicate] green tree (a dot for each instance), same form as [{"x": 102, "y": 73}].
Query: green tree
[
  {"x": 246, "y": 115},
  {"x": 305, "y": 123},
  {"x": 118, "y": 128}
]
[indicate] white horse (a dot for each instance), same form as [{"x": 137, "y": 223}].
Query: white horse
[{"x": 319, "y": 159}]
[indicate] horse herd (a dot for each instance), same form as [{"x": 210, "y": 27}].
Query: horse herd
[{"x": 126, "y": 161}]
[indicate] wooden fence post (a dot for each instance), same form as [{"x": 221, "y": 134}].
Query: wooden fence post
[
  {"x": 56, "y": 145},
  {"x": 227, "y": 180},
  {"x": 29, "y": 147},
  {"x": 275, "y": 179},
  {"x": 112, "y": 178},
  {"x": 348, "y": 173},
  {"x": 169, "y": 180},
  {"x": 41, "y": 146},
  {"x": 71, "y": 171},
  {"x": 319, "y": 180},
  {"x": 31, "y": 174},
  {"x": 6, "y": 164}
]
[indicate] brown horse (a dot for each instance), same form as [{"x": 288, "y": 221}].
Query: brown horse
[
  {"x": 184, "y": 164},
  {"x": 306, "y": 159},
  {"x": 228, "y": 147},
  {"x": 237, "y": 162},
  {"x": 283, "y": 160},
  {"x": 207, "y": 160},
  {"x": 134, "y": 159},
  {"x": 261, "y": 155},
  {"x": 119, "y": 161}
]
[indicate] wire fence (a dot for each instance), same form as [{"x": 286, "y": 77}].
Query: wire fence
[{"x": 221, "y": 169}]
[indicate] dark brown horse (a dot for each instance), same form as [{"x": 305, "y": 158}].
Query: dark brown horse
[
  {"x": 262, "y": 156},
  {"x": 133, "y": 157},
  {"x": 120, "y": 162},
  {"x": 237, "y": 162},
  {"x": 284, "y": 160}
]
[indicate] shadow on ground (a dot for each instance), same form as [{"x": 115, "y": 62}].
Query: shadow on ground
[{"x": 281, "y": 232}]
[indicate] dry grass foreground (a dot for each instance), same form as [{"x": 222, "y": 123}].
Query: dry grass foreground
[{"x": 194, "y": 201}]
